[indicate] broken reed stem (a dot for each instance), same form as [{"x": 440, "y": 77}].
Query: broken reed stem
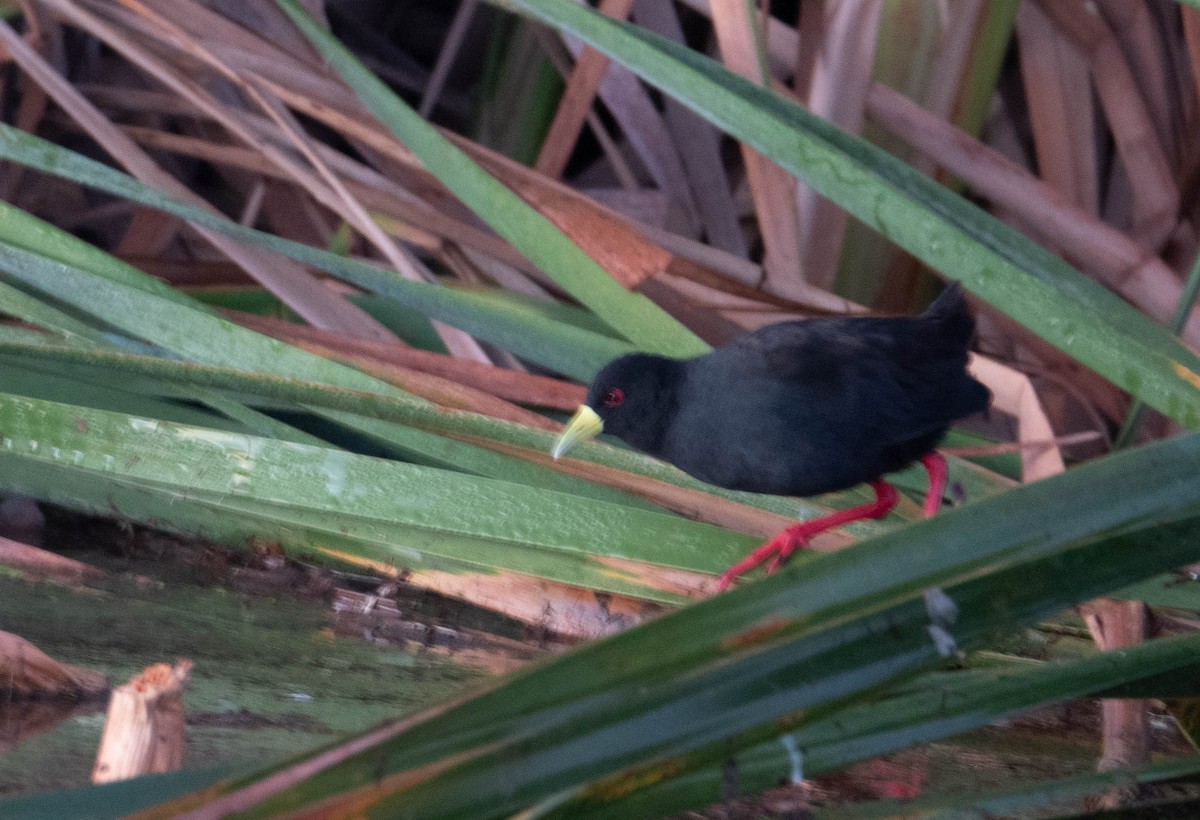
[
  {"x": 1126, "y": 721},
  {"x": 145, "y": 729}
]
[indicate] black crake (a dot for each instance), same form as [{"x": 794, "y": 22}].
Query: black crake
[{"x": 799, "y": 408}]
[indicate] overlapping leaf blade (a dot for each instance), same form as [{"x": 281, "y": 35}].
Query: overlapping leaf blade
[
  {"x": 401, "y": 514},
  {"x": 557, "y": 345}
]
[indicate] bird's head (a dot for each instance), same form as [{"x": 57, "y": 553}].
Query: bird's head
[{"x": 630, "y": 398}]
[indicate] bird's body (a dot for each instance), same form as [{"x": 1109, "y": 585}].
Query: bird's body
[{"x": 802, "y": 407}]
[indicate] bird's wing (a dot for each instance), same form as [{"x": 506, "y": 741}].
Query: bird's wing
[
  {"x": 867, "y": 373},
  {"x": 816, "y": 353}
]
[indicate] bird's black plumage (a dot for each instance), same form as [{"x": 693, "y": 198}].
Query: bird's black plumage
[{"x": 803, "y": 407}]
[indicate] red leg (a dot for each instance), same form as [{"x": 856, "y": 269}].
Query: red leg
[
  {"x": 935, "y": 465},
  {"x": 783, "y": 545}
]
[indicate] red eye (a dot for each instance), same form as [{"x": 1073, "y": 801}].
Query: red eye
[{"x": 614, "y": 397}]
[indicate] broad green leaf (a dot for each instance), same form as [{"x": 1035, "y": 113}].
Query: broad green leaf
[
  {"x": 923, "y": 709},
  {"x": 400, "y": 514},
  {"x": 33, "y": 382},
  {"x": 173, "y": 324},
  {"x": 998, "y": 264},
  {"x": 18, "y": 304},
  {"x": 80, "y": 335}
]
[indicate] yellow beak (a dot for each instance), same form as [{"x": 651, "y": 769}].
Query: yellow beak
[{"x": 585, "y": 424}]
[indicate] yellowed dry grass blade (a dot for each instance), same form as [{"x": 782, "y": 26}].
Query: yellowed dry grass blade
[
  {"x": 773, "y": 190},
  {"x": 1061, "y": 111},
  {"x": 837, "y": 91},
  {"x": 582, "y": 86},
  {"x": 1155, "y": 194},
  {"x": 1013, "y": 393}
]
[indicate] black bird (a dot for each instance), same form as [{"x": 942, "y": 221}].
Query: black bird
[{"x": 798, "y": 408}]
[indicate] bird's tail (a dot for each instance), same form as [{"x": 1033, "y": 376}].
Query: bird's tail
[
  {"x": 949, "y": 312},
  {"x": 953, "y": 328},
  {"x": 949, "y": 301}
]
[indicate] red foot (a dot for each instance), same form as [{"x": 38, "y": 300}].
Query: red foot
[
  {"x": 935, "y": 465},
  {"x": 779, "y": 548}
]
